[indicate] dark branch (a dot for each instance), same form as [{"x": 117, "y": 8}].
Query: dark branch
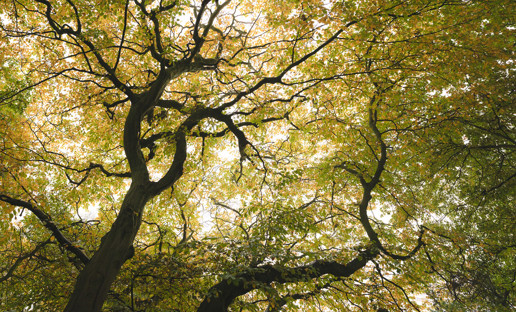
[
  {"x": 49, "y": 224},
  {"x": 222, "y": 294}
]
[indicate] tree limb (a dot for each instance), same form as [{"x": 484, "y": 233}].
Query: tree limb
[
  {"x": 49, "y": 224},
  {"x": 221, "y": 295}
]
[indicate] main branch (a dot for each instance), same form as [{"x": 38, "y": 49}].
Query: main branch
[{"x": 221, "y": 295}]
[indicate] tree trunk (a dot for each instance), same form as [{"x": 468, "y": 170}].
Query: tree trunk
[{"x": 96, "y": 278}]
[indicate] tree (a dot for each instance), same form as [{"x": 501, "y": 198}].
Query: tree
[{"x": 260, "y": 156}]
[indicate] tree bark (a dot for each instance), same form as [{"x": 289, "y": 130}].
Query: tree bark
[
  {"x": 222, "y": 294},
  {"x": 95, "y": 279}
]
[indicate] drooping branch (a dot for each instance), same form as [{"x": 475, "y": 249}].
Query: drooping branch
[{"x": 49, "y": 224}]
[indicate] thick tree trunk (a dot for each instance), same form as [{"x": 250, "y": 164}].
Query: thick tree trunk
[{"x": 95, "y": 280}]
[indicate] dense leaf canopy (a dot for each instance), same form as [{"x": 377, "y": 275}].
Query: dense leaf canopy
[{"x": 257, "y": 155}]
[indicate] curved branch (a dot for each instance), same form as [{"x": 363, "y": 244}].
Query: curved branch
[
  {"x": 368, "y": 186},
  {"x": 239, "y": 134},
  {"x": 221, "y": 295},
  {"x": 176, "y": 168}
]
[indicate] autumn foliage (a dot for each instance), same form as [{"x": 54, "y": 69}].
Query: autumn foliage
[{"x": 257, "y": 155}]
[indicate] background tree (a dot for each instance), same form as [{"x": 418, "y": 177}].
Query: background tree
[{"x": 261, "y": 156}]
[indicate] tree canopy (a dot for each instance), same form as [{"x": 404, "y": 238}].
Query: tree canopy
[{"x": 257, "y": 155}]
